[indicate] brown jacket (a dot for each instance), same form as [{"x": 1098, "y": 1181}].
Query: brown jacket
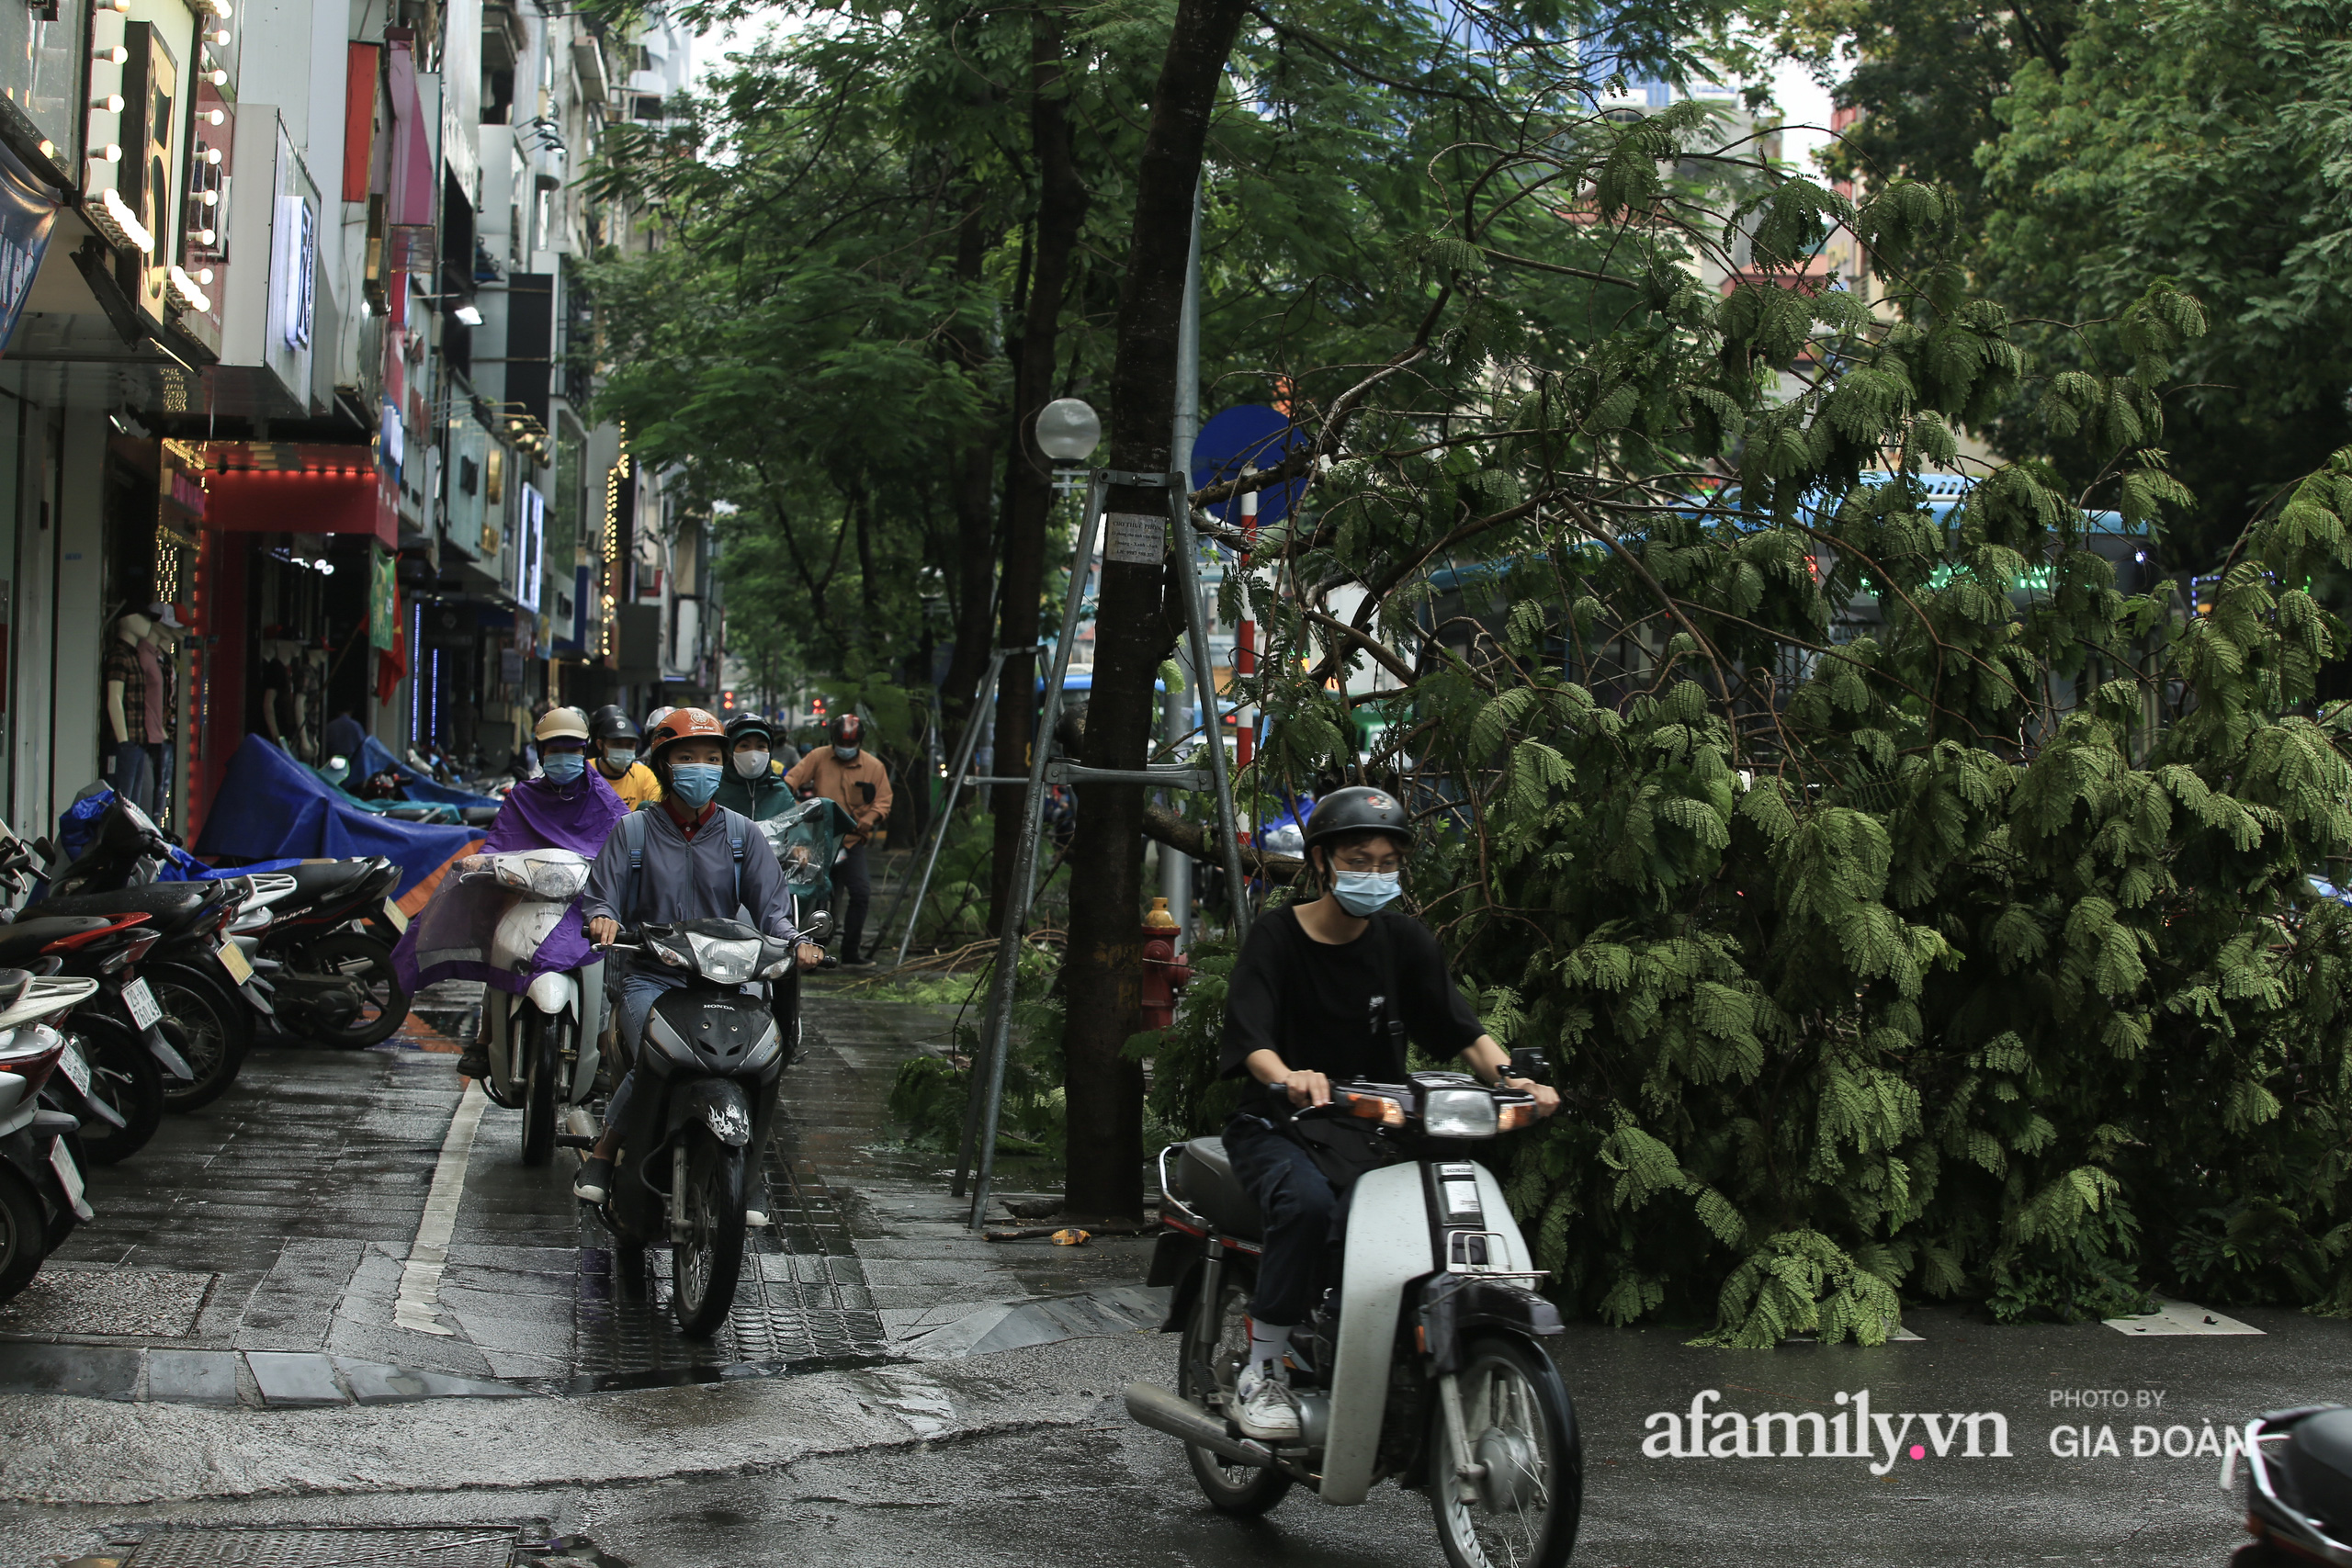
[{"x": 863, "y": 788}]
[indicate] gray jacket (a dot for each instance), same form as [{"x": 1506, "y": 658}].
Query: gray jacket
[{"x": 684, "y": 879}]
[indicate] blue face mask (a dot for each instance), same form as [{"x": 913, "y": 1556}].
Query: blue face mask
[
  {"x": 1366, "y": 893},
  {"x": 620, "y": 757},
  {"x": 695, "y": 782},
  {"x": 565, "y": 767},
  {"x": 846, "y": 754}
]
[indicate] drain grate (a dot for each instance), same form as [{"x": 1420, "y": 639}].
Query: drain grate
[
  {"x": 422, "y": 1547},
  {"x": 802, "y": 1295}
]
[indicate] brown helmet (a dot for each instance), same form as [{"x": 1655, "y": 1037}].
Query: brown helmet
[{"x": 682, "y": 724}]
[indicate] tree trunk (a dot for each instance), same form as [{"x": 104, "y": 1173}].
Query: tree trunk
[
  {"x": 1061, "y": 213},
  {"x": 971, "y": 488},
  {"x": 1135, "y": 628}
]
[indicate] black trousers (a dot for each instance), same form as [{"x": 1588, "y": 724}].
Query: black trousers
[
  {"x": 852, "y": 881},
  {"x": 1306, "y": 1220}
]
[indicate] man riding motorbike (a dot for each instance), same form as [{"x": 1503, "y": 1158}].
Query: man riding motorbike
[
  {"x": 1322, "y": 991},
  {"x": 855, "y": 779},
  {"x": 754, "y": 783},
  {"x": 612, "y": 745},
  {"x": 699, "y": 862},
  {"x": 567, "y": 806}
]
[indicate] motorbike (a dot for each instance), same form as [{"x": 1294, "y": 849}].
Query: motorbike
[
  {"x": 1430, "y": 1370},
  {"x": 325, "y": 954},
  {"x": 544, "y": 1040},
  {"x": 711, "y": 1061},
  {"x": 806, "y": 842},
  {"x": 42, "y": 1193},
  {"x": 2298, "y": 1487},
  {"x": 117, "y": 1065}
]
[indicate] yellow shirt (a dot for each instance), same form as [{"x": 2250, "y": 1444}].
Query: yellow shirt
[{"x": 636, "y": 787}]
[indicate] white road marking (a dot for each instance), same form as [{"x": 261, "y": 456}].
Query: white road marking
[
  {"x": 2180, "y": 1317},
  {"x": 419, "y": 1306}
]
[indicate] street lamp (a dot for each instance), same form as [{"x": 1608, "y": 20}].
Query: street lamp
[{"x": 1067, "y": 430}]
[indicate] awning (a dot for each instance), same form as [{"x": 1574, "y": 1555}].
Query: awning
[{"x": 284, "y": 486}]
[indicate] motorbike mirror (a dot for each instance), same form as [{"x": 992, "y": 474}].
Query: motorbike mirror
[
  {"x": 818, "y": 929},
  {"x": 1531, "y": 1062}
]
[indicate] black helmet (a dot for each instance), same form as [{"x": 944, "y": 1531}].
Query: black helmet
[
  {"x": 747, "y": 723},
  {"x": 612, "y": 722},
  {"x": 847, "y": 729},
  {"x": 1358, "y": 809}
]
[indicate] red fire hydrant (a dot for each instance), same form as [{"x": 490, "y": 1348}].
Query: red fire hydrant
[{"x": 1164, "y": 973}]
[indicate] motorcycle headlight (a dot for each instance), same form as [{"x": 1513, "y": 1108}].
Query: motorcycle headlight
[
  {"x": 1459, "y": 1113},
  {"x": 730, "y": 963},
  {"x": 558, "y": 880}
]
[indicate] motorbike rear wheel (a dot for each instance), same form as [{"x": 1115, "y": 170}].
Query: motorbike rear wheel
[
  {"x": 124, "y": 1071},
  {"x": 367, "y": 964},
  {"x": 538, "y": 1048},
  {"x": 23, "y": 1234},
  {"x": 217, "y": 1026},
  {"x": 1217, "y": 1339},
  {"x": 1522, "y": 1512},
  {"x": 706, "y": 1262}
]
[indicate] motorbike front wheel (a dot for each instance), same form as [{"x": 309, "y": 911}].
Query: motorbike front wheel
[
  {"x": 23, "y": 1234},
  {"x": 1214, "y": 1343},
  {"x": 215, "y": 1023},
  {"x": 706, "y": 1260},
  {"x": 365, "y": 965},
  {"x": 539, "y": 1050},
  {"x": 1522, "y": 1510}
]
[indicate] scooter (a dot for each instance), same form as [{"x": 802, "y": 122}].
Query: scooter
[
  {"x": 2297, "y": 1486},
  {"x": 710, "y": 1061},
  {"x": 543, "y": 1040},
  {"x": 41, "y": 1181},
  {"x": 326, "y": 953},
  {"x": 1431, "y": 1371}
]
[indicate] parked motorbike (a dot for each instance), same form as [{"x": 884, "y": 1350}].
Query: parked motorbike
[
  {"x": 41, "y": 1181},
  {"x": 711, "y": 1063},
  {"x": 543, "y": 1040},
  {"x": 326, "y": 953},
  {"x": 2298, "y": 1487},
  {"x": 1431, "y": 1371},
  {"x": 116, "y": 1065}
]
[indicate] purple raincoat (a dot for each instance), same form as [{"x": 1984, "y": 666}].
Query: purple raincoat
[{"x": 450, "y": 938}]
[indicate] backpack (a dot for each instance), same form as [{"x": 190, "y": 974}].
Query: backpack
[{"x": 633, "y": 831}]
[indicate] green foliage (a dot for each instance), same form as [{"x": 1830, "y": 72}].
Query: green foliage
[{"x": 929, "y": 1093}]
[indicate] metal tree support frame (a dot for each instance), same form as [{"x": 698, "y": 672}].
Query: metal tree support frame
[
  {"x": 981, "y": 1115},
  {"x": 965, "y": 747}
]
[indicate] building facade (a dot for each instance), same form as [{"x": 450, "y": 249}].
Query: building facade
[{"x": 295, "y": 392}]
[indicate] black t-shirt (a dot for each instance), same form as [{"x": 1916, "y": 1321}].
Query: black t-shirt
[{"x": 1313, "y": 1003}]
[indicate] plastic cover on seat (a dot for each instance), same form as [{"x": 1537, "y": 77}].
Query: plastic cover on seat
[
  {"x": 1211, "y": 1187},
  {"x": 172, "y": 905}
]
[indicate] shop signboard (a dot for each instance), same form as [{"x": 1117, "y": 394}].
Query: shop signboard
[
  {"x": 26, "y": 218},
  {"x": 40, "y": 80},
  {"x": 530, "y": 538},
  {"x": 383, "y": 602}
]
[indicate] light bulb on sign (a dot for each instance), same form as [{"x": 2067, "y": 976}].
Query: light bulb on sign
[
  {"x": 112, "y": 102},
  {"x": 214, "y": 117},
  {"x": 326, "y": 568},
  {"x": 206, "y": 236},
  {"x": 112, "y": 154},
  {"x": 222, "y": 37},
  {"x": 217, "y": 78},
  {"x": 118, "y": 55},
  {"x": 211, "y": 198},
  {"x": 204, "y": 275},
  {"x": 212, "y": 154}
]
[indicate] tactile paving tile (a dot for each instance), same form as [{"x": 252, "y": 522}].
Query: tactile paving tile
[
  {"x": 815, "y": 1306},
  {"x": 424, "y": 1547}
]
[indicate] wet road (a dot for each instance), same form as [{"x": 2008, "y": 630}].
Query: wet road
[{"x": 278, "y": 1226}]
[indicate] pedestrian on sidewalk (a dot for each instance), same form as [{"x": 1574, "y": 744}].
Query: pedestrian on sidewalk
[{"x": 855, "y": 779}]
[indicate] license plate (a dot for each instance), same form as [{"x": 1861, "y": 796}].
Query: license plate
[
  {"x": 234, "y": 959},
  {"x": 392, "y": 913},
  {"x": 76, "y": 1069},
  {"x": 142, "y": 1003},
  {"x": 69, "y": 1176}
]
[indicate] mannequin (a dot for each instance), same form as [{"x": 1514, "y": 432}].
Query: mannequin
[
  {"x": 164, "y": 641},
  {"x": 134, "y": 716}
]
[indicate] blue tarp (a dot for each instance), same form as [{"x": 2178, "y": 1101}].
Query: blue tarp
[
  {"x": 270, "y": 806},
  {"x": 375, "y": 757}
]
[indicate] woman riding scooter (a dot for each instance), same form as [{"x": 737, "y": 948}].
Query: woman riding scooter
[
  {"x": 568, "y": 806},
  {"x": 612, "y": 745},
  {"x": 685, "y": 858},
  {"x": 754, "y": 783},
  {"x": 1322, "y": 991}
]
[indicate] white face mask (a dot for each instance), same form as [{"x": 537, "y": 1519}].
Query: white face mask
[{"x": 752, "y": 764}]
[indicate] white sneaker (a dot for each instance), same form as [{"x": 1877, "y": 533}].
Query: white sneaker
[
  {"x": 756, "y": 1218},
  {"x": 1263, "y": 1406}
]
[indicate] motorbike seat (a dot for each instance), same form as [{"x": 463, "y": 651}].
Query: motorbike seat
[
  {"x": 1213, "y": 1189},
  {"x": 21, "y": 943},
  {"x": 173, "y": 907},
  {"x": 328, "y": 882}
]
